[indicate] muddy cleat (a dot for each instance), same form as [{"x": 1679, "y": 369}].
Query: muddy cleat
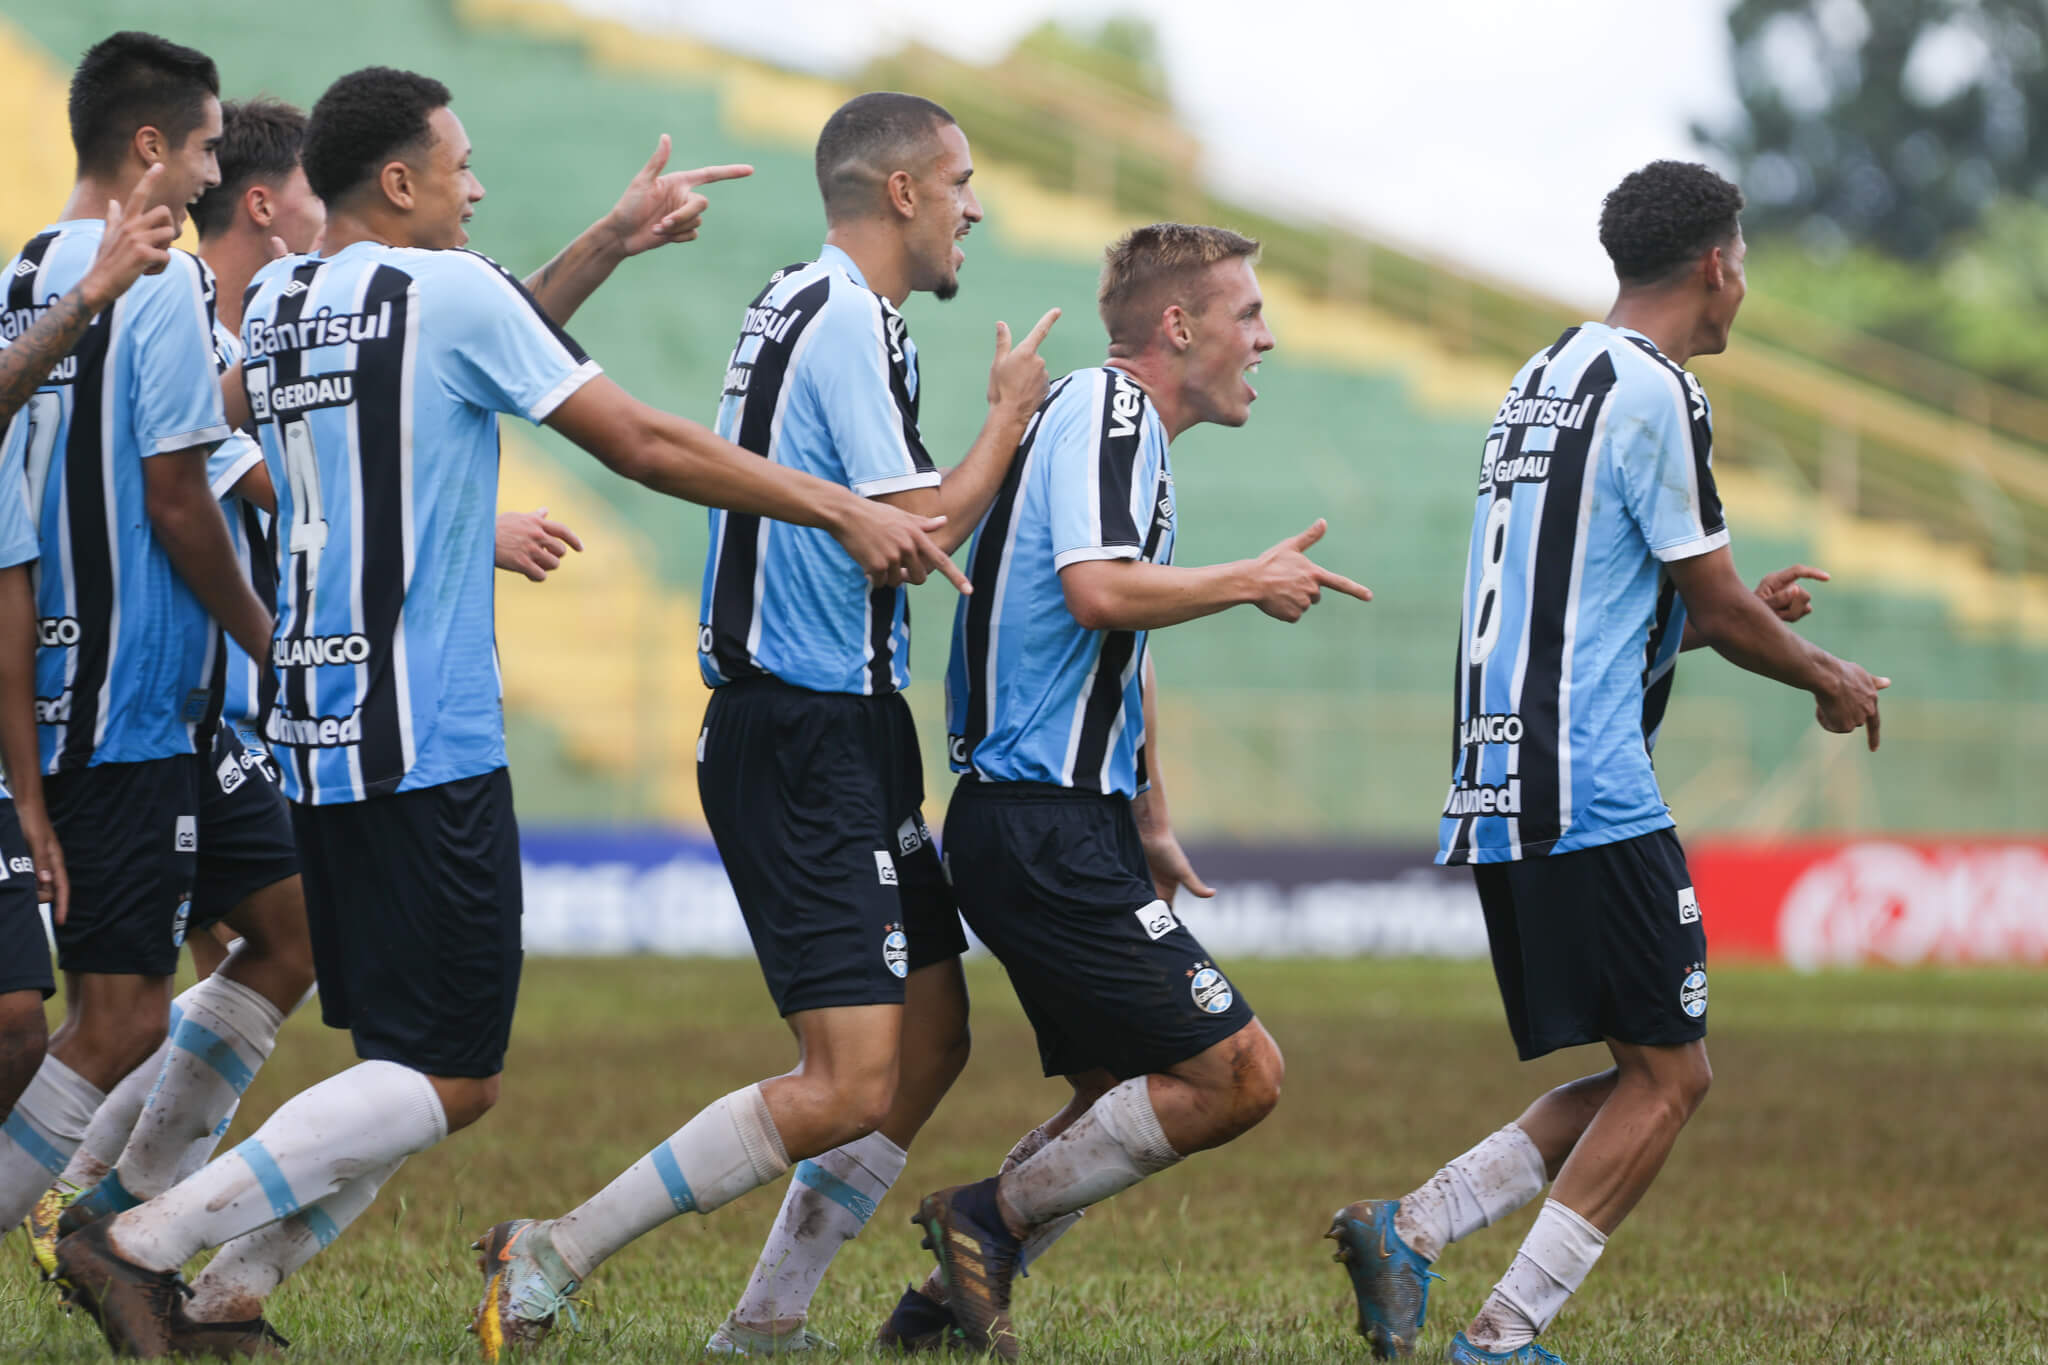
[
  {"x": 1390, "y": 1278},
  {"x": 134, "y": 1305},
  {"x": 226, "y": 1340},
  {"x": 734, "y": 1339},
  {"x": 1463, "y": 1352},
  {"x": 977, "y": 1257},
  {"x": 108, "y": 1197},
  {"x": 919, "y": 1323},
  {"x": 41, "y": 1224},
  {"x": 526, "y": 1287}
]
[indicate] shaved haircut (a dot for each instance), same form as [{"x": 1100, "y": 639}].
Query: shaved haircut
[
  {"x": 868, "y": 139},
  {"x": 1150, "y": 267}
]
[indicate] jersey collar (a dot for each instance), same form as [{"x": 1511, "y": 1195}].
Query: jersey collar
[{"x": 839, "y": 260}]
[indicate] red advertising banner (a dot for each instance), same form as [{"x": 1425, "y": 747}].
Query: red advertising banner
[{"x": 1840, "y": 903}]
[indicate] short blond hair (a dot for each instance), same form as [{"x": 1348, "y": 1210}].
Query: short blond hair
[{"x": 1164, "y": 263}]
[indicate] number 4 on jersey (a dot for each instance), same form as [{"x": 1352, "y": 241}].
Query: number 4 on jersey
[{"x": 309, "y": 528}]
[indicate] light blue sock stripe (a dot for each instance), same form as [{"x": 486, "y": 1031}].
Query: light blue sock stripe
[
  {"x": 275, "y": 1187},
  {"x": 836, "y": 1190},
  {"x": 672, "y": 1176},
  {"x": 216, "y": 1051},
  {"x": 320, "y": 1225},
  {"x": 24, "y": 1135}
]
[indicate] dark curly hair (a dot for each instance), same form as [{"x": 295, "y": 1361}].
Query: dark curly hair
[
  {"x": 260, "y": 139},
  {"x": 1659, "y": 219},
  {"x": 129, "y": 81},
  {"x": 366, "y": 120}
]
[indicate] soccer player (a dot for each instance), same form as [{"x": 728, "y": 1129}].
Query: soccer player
[
  {"x": 808, "y": 763},
  {"x": 36, "y": 339},
  {"x": 1059, "y": 841},
  {"x": 375, "y": 373},
  {"x": 135, "y": 556},
  {"x": 1598, "y": 553}
]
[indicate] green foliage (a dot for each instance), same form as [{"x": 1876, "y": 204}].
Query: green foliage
[
  {"x": 1123, "y": 53},
  {"x": 1891, "y": 122}
]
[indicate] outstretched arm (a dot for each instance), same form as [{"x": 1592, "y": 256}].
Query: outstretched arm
[
  {"x": 1780, "y": 592},
  {"x": 1129, "y": 594},
  {"x": 675, "y": 456},
  {"x": 654, "y": 211},
  {"x": 1744, "y": 630}
]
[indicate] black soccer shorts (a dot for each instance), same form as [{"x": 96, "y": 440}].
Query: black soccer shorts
[
  {"x": 413, "y": 901},
  {"x": 814, "y": 801},
  {"x": 24, "y": 948},
  {"x": 1605, "y": 942},
  {"x": 1055, "y": 882},
  {"x": 130, "y": 833},
  {"x": 245, "y": 828}
]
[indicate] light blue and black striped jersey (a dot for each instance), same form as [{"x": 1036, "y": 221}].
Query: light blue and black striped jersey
[
  {"x": 1596, "y": 472},
  {"x": 1032, "y": 696},
  {"x": 124, "y": 645},
  {"x": 18, "y": 544},
  {"x": 376, "y": 376},
  {"x": 240, "y": 681},
  {"x": 823, "y": 380}
]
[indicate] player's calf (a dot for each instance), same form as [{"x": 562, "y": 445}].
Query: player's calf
[{"x": 23, "y": 1040}]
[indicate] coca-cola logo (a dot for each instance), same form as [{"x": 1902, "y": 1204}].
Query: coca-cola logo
[{"x": 1882, "y": 902}]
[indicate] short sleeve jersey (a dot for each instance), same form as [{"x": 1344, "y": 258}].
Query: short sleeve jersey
[
  {"x": 240, "y": 681},
  {"x": 1595, "y": 474},
  {"x": 1032, "y": 696},
  {"x": 375, "y": 377},
  {"x": 124, "y": 645},
  {"x": 823, "y": 380}
]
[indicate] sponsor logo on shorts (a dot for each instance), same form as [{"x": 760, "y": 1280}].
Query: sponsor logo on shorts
[
  {"x": 1688, "y": 906},
  {"x": 1158, "y": 920},
  {"x": 896, "y": 952},
  {"x": 885, "y": 867},
  {"x": 187, "y": 840},
  {"x": 22, "y": 864},
  {"x": 1692, "y": 993},
  {"x": 231, "y": 775},
  {"x": 911, "y": 835},
  {"x": 1209, "y": 987},
  {"x": 179, "y": 921},
  {"x": 703, "y": 738}
]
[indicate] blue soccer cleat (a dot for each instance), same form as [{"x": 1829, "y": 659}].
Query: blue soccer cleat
[
  {"x": 1390, "y": 1278},
  {"x": 1463, "y": 1352}
]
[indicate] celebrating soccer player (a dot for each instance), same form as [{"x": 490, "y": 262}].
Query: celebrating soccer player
[
  {"x": 1058, "y": 837},
  {"x": 1598, "y": 553},
  {"x": 375, "y": 374},
  {"x": 809, "y": 763},
  {"x": 135, "y": 557}
]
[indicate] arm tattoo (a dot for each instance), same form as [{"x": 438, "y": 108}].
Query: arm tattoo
[{"x": 26, "y": 365}]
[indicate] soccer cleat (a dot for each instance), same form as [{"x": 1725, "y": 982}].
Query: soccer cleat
[
  {"x": 734, "y": 1339},
  {"x": 1463, "y": 1352},
  {"x": 521, "y": 1300},
  {"x": 134, "y": 1305},
  {"x": 919, "y": 1323},
  {"x": 977, "y": 1257},
  {"x": 110, "y": 1196},
  {"x": 41, "y": 1224},
  {"x": 226, "y": 1340},
  {"x": 1390, "y": 1278}
]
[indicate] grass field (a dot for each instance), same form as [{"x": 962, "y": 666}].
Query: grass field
[{"x": 1868, "y": 1181}]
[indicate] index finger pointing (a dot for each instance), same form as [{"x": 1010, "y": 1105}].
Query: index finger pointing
[
  {"x": 705, "y": 175},
  {"x": 1037, "y": 334},
  {"x": 1873, "y": 729},
  {"x": 138, "y": 198},
  {"x": 1343, "y": 584}
]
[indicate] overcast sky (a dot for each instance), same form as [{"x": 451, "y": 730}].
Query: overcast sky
[{"x": 1483, "y": 130}]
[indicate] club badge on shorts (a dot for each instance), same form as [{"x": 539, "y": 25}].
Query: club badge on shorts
[
  {"x": 1692, "y": 992},
  {"x": 179, "y": 922},
  {"x": 896, "y": 951},
  {"x": 1210, "y": 989}
]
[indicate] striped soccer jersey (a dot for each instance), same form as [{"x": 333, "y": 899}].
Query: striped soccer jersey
[
  {"x": 1031, "y": 696},
  {"x": 375, "y": 377},
  {"x": 240, "y": 681},
  {"x": 124, "y": 645},
  {"x": 824, "y": 380},
  {"x": 17, "y": 528},
  {"x": 1596, "y": 471}
]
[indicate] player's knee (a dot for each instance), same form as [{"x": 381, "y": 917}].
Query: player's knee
[
  {"x": 1696, "y": 1082},
  {"x": 1259, "y": 1077},
  {"x": 23, "y": 1041},
  {"x": 465, "y": 1099}
]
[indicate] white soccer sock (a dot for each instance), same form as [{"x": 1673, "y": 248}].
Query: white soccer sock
[
  {"x": 115, "y": 1119},
  {"x": 235, "y": 1283},
  {"x": 1045, "y": 1234},
  {"x": 1110, "y": 1148},
  {"x": 830, "y": 1200},
  {"x": 361, "y": 1120},
  {"x": 48, "y": 1123},
  {"x": 1553, "y": 1262},
  {"x": 729, "y": 1148},
  {"x": 1476, "y": 1190},
  {"x": 225, "y": 1036}
]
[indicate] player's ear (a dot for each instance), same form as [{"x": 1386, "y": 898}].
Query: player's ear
[
  {"x": 1178, "y": 329},
  {"x": 150, "y": 144},
  {"x": 256, "y": 200},
  {"x": 901, "y": 190},
  {"x": 1714, "y": 270},
  {"x": 395, "y": 180}
]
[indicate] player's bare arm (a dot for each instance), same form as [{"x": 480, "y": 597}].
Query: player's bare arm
[
  {"x": 1746, "y": 631},
  {"x": 136, "y": 243},
  {"x": 1171, "y": 870},
  {"x": 18, "y": 736},
  {"x": 1130, "y": 594},
  {"x": 256, "y": 489},
  {"x": 187, "y": 520},
  {"x": 1781, "y": 592},
  {"x": 1017, "y": 383},
  {"x": 655, "y": 210},
  {"x": 684, "y": 460}
]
